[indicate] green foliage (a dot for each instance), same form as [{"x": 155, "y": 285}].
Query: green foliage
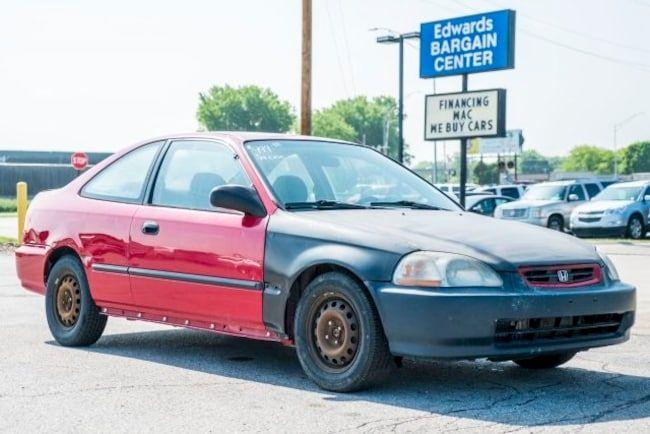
[
  {"x": 330, "y": 124},
  {"x": 486, "y": 173},
  {"x": 635, "y": 158},
  {"x": 7, "y": 204},
  {"x": 586, "y": 158},
  {"x": 531, "y": 161},
  {"x": 246, "y": 108},
  {"x": 373, "y": 121}
]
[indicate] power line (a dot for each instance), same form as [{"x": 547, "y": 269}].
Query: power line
[
  {"x": 573, "y": 32},
  {"x": 347, "y": 48},
  {"x": 624, "y": 62},
  {"x": 336, "y": 49}
]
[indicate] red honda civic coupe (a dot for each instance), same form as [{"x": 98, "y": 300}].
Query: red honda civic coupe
[{"x": 325, "y": 245}]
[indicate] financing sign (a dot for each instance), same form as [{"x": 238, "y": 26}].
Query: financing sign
[
  {"x": 465, "y": 45},
  {"x": 465, "y": 115}
]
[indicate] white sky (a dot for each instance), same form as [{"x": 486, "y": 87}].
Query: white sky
[{"x": 99, "y": 75}]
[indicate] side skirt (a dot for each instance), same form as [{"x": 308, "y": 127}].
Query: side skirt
[{"x": 175, "y": 321}]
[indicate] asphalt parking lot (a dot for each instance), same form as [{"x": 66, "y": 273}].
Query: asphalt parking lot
[{"x": 144, "y": 378}]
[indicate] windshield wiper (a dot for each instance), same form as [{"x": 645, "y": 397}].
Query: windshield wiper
[
  {"x": 323, "y": 204},
  {"x": 406, "y": 204}
]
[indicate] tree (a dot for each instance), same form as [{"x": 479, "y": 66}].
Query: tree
[
  {"x": 486, "y": 173},
  {"x": 531, "y": 161},
  {"x": 374, "y": 122},
  {"x": 635, "y": 158},
  {"x": 586, "y": 158},
  {"x": 246, "y": 108}
]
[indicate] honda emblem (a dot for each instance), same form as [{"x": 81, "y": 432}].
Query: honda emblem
[{"x": 563, "y": 276}]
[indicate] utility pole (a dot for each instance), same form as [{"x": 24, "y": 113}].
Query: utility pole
[
  {"x": 463, "y": 157},
  {"x": 399, "y": 39},
  {"x": 305, "y": 90}
]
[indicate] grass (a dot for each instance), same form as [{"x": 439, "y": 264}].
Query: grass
[
  {"x": 7, "y": 205},
  {"x": 7, "y": 240}
]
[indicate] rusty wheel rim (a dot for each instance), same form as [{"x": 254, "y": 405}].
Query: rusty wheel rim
[
  {"x": 68, "y": 301},
  {"x": 335, "y": 334}
]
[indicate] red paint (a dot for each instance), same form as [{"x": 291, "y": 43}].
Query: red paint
[
  {"x": 79, "y": 160},
  {"x": 206, "y": 243},
  {"x": 596, "y": 273}
]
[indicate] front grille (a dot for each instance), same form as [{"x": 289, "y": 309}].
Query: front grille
[
  {"x": 515, "y": 213},
  {"x": 589, "y": 219},
  {"x": 561, "y": 276},
  {"x": 510, "y": 332}
]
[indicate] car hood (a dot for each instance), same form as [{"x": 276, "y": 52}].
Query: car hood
[
  {"x": 523, "y": 203},
  {"x": 602, "y": 205},
  {"x": 503, "y": 244}
]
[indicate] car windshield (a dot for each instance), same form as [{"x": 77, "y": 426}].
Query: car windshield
[
  {"x": 319, "y": 174},
  {"x": 546, "y": 192},
  {"x": 618, "y": 192}
]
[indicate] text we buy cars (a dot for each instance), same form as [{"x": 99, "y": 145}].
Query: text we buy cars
[{"x": 468, "y": 44}]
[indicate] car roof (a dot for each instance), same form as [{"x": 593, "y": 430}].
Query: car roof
[
  {"x": 246, "y": 136},
  {"x": 641, "y": 183},
  {"x": 569, "y": 182}
]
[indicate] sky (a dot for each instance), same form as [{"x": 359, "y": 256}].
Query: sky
[{"x": 99, "y": 75}]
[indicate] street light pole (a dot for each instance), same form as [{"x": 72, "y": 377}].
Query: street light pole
[
  {"x": 616, "y": 128},
  {"x": 399, "y": 39}
]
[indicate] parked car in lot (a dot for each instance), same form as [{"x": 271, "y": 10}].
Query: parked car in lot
[
  {"x": 514, "y": 191},
  {"x": 454, "y": 189},
  {"x": 619, "y": 210},
  {"x": 286, "y": 239},
  {"x": 484, "y": 204},
  {"x": 549, "y": 204}
]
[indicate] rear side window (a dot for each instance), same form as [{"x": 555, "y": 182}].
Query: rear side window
[
  {"x": 592, "y": 189},
  {"x": 191, "y": 169},
  {"x": 491, "y": 190},
  {"x": 124, "y": 180},
  {"x": 510, "y": 192}
]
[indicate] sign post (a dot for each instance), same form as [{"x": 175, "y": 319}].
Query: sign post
[{"x": 462, "y": 46}]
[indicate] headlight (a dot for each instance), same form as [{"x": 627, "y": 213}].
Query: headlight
[
  {"x": 443, "y": 269},
  {"x": 609, "y": 265},
  {"x": 615, "y": 210}
]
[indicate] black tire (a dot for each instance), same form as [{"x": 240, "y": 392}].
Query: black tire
[
  {"x": 547, "y": 361},
  {"x": 556, "y": 223},
  {"x": 371, "y": 360},
  {"x": 635, "y": 229},
  {"x": 86, "y": 325}
]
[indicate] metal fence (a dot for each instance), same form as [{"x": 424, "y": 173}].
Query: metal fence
[{"x": 38, "y": 177}]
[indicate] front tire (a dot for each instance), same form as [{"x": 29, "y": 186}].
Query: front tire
[
  {"x": 72, "y": 315},
  {"x": 556, "y": 223},
  {"x": 635, "y": 229},
  {"x": 547, "y": 361},
  {"x": 339, "y": 338}
]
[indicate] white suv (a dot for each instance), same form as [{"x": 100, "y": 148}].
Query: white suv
[
  {"x": 515, "y": 191},
  {"x": 549, "y": 204}
]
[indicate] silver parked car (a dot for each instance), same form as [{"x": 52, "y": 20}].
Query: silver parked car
[
  {"x": 549, "y": 204},
  {"x": 619, "y": 210}
]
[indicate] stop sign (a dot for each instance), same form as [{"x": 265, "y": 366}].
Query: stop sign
[{"x": 79, "y": 160}]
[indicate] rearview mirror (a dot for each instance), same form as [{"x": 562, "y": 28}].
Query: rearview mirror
[
  {"x": 238, "y": 198},
  {"x": 573, "y": 197}
]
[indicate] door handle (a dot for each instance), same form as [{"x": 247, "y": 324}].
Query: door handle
[{"x": 150, "y": 227}]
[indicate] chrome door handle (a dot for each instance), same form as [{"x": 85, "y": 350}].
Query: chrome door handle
[{"x": 150, "y": 227}]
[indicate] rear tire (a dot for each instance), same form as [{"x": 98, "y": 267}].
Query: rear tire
[
  {"x": 556, "y": 223},
  {"x": 547, "y": 361},
  {"x": 339, "y": 338},
  {"x": 72, "y": 315},
  {"x": 635, "y": 229}
]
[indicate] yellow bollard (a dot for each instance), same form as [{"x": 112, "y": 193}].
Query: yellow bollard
[{"x": 21, "y": 205}]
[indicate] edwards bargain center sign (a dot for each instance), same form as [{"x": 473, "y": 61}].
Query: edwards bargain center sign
[{"x": 466, "y": 45}]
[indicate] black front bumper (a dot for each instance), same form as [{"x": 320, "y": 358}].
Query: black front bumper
[
  {"x": 469, "y": 323},
  {"x": 596, "y": 232}
]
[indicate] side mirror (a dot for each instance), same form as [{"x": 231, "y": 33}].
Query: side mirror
[
  {"x": 239, "y": 198},
  {"x": 646, "y": 198},
  {"x": 573, "y": 197}
]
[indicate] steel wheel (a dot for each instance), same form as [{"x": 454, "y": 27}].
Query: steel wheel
[
  {"x": 635, "y": 229},
  {"x": 335, "y": 333},
  {"x": 68, "y": 301}
]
